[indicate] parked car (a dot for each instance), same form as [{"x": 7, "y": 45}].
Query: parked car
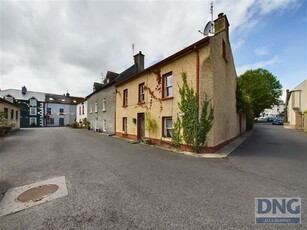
[
  {"x": 260, "y": 119},
  {"x": 270, "y": 119},
  {"x": 277, "y": 121}
]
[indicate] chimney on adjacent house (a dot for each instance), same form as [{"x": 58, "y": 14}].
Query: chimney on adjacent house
[
  {"x": 221, "y": 24},
  {"x": 24, "y": 90},
  {"x": 139, "y": 61}
]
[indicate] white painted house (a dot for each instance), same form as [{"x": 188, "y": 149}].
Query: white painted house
[{"x": 81, "y": 111}]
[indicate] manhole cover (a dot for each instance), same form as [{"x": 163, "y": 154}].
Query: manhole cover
[{"x": 37, "y": 193}]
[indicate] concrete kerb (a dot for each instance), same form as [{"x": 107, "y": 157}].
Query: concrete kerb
[{"x": 222, "y": 153}]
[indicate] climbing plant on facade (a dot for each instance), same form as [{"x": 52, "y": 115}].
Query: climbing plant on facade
[
  {"x": 194, "y": 129},
  {"x": 150, "y": 123},
  {"x": 176, "y": 133}
]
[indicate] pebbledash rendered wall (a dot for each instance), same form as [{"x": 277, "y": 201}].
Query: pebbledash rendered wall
[{"x": 217, "y": 79}]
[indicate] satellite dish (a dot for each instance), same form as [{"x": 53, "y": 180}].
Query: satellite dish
[{"x": 208, "y": 28}]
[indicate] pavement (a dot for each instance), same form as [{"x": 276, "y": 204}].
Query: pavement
[{"x": 116, "y": 185}]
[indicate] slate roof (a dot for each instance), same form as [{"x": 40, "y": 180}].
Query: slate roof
[
  {"x": 16, "y": 93},
  {"x": 2, "y": 100},
  {"x": 62, "y": 99}
]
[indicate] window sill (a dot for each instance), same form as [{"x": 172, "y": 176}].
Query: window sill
[
  {"x": 166, "y": 98},
  {"x": 125, "y": 106},
  {"x": 141, "y": 103},
  {"x": 104, "y": 110}
]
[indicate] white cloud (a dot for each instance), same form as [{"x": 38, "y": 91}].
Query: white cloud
[
  {"x": 262, "y": 51},
  {"x": 46, "y": 43},
  {"x": 261, "y": 64}
]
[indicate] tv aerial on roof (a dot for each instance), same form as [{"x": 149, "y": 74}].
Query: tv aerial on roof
[{"x": 209, "y": 28}]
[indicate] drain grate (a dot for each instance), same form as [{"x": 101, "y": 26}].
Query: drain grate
[
  {"x": 20, "y": 198},
  {"x": 37, "y": 193}
]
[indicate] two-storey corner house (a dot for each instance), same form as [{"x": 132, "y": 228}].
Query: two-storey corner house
[
  {"x": 101, "y": 103},
  {"x": 296, "y": 105},
  {"x": 210, "y": 69},
  {"x": 31, "y": 105},
  {"x": 60, "y": 110},
  {"x": 11, "y": 112}
]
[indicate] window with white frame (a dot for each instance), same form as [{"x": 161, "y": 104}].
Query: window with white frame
[
  {"x": 33, "y": 111},
  {"x": 96, "y": 107},
  {"x": 167, "y": 85},
  {"x": 141, "y": 98},
  {"x": 104, "y": 105},
  {"x": 91, "y": 108},
  {"x": 33, "y": 102},
  {"x": 104, "y": 125},
  {"x": 167, "y": 126},
  {"x": 32, "y": 121}
]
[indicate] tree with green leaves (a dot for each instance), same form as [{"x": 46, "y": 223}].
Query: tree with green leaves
[{"x": 261, "y": 88}]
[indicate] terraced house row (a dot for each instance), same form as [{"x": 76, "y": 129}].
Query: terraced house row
[
  {"x": 143, "y": 103},
  {"x": 38, "y": 109}
]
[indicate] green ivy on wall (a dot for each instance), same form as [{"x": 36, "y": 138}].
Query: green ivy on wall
[
  {"x": 150, "y": 123},
  {"x": 194, "y": 129},
  {"x": 176, "y": 133}
]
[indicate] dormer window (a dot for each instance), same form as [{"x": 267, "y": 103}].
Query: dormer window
[
  {"x": 33, "y": 102},
  {"x": 50, "y": 99},
  {"x": 63, "y": 100}
]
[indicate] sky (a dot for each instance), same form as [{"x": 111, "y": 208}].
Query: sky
[{"x": 57, "y": 46}]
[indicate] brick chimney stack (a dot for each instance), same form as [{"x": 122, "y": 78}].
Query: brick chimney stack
[{"x": 139, "y": 61}]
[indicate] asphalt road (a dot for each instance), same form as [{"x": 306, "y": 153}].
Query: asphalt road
[{"x": 113, "y": 184}]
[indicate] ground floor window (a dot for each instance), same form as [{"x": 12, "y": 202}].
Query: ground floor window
[
  {"x": 167, "y": 126},
  {"x": 104, "y": 125},
  {"x": 125, "y": 124},
  {"x": 32, "y": 121},
  {"x": 12, "y": 114},
  {"x": 50, "y": 121}
]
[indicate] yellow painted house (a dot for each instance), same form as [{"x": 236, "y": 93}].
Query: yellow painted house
[{"x": 210, "y": 70}]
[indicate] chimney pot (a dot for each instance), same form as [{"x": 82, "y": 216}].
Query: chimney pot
[{"x": 220, "y": 15}]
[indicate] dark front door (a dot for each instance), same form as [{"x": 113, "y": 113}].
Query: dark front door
[
  {"x": 61, "y": 121},
  {"x": 140, "y": 126}
]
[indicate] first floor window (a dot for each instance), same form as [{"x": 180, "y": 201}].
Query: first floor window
[
  {"x": 141, "y": 98},
  {"x": 95, "y": 107},
  {"x": 12, "y": 114},
  {"x": 167, "y": 85},
  {"x": 32, "y": 121},
  {"x": 82, "y": 109},
  {"x": 16, "y": 115},
  {"x": 61, "y": 111},
  {"x": 104, "y": 105},
  {"x": 33, "y": 111},
  {"x": 125, "y": 97},
  {"x": 125, "y": 124},
  {"x": 167, "y": 126},
  {"x": 79, "y": 110}
]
